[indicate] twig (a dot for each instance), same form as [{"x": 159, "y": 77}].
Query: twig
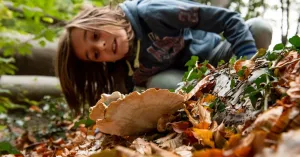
[
  {"x": 285, "y": 64},
  {"x": 276, "y": 61},
  {"x": 267, "y": 94}
]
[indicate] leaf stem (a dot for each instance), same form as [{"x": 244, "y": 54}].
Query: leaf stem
[{"x": 267, "y": 93}]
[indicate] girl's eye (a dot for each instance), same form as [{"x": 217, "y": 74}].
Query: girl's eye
[
  {"x": 96, "y": 36},
  {"x": 96, "y": 54}
]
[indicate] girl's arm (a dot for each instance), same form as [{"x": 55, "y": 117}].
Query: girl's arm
[{"x": 168, "y": 17}]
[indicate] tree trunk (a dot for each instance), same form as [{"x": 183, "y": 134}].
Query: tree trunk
[
  {"x": 39, "y": 62},
  {"x": 31, "y": 87},
  {"x": 285, "y": 9},
  {"x": 221, "y": 3}
]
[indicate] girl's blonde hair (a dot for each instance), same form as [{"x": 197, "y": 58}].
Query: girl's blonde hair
[{"x": 84, "y": 82}]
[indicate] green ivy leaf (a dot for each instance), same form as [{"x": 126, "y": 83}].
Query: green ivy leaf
[
  {"x": 232, "y": 61},
  {"x": 188, "y": 89},
  {"x": 241, "y": 72},
  {"x": 221, "y": 62},
  {"x": 261, "y": 79},
  {"x": 232, "y": 83},
  {"x": 192, "y": 62},
  {"x": 253, "y": 99},
  {"x": 278, "y": 47},
  {"x": 272, "y": 56},
  {"x": 295, "y": 41},
  {"x": 221, "y": 107},
  {"x": 249, "y": 90},
  {"x": 7, "y": 148}
]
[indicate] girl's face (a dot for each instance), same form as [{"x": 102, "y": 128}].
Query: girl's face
[{"x": 100, "y": 46}]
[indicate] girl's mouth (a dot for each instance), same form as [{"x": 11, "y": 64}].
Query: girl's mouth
[{"x": 114, "y": 46}]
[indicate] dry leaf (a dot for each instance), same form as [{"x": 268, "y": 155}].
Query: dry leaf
[
  {"x": 266, "y": 120},
  {"x": 184, "y": 151},
  {"x": 138, "y": 112},
  {"x": 219, "y": 136},
  {"x": 209, "y": 153},
  {"x": 163, "y": 121},
  {"x": 162, "y": 152},
  {"x": 246, "y": 65},
  {"x": 204, "y": 114},
  {"x": 172, "y": 144},
  {"x": 141, "y": 146},
  {"x": 180, "y": 127},
  {"x": 205, "y": 136},
  {"x": 289, "y": 145},
  {"x": 206, "y": 81}
]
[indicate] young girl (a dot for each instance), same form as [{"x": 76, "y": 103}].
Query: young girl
[{"x": 146, "y": 43}]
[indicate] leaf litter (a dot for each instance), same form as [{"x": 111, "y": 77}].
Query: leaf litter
[{"x": 240, "y": 108}]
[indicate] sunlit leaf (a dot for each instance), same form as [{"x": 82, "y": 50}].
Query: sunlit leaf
[
  {"x": 278, "y": 47},
  {"x": 295, "y": 41},
  {"x": 204, "y": 136},
  {"x": 209, "y": 153},
  {"x": 192, "y": 61}
]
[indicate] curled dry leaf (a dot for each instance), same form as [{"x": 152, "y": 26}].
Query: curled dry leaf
[
  {"x": 289, "y": 67},
  {"x": 288, "y": 146},
  {"x": 204, "y": 114},
  {"x": 180, "y": 127},
  {"x": 219, "y": 136},
  {"x": 138, "y": 112},
  {"x": 206, "y": 81},
  {"x": 246, "y": 65},
  {"x": 266, "y": 120},
  {"x": 294, "y": 90}
]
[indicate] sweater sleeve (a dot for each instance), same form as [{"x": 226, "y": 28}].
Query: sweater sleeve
[{"x": 168, "y": 17}]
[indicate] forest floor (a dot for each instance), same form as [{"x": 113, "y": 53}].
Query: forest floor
[{"x": 240, "y": 108}]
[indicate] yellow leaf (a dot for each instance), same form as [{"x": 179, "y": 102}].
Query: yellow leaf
[
  {"x": 209, "y": 153},
  {"x": 205, "y": 136}
]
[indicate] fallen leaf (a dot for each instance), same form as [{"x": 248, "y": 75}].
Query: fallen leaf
[
  {"x": 173, "y": 143},
  {"x": 206, "y": 81},
  {"x": 218, "y": 135},
  {"x": 141, "y": 146},
  {"x": 247, "y": 66},
  {"x": 209, "y": 153},
  {"x": 162, "y": 152},
  {"x": 204, "y": 136},
  {"x": 288, "y": 146},
  {"x": 180, "y": 127},
  {"x": 163, "y": 121}
]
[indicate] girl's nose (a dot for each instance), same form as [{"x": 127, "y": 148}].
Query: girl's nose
[{"x": 101, "y": 44}]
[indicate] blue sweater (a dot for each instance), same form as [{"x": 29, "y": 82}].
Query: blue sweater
[{"x": 171, "y": 31}]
